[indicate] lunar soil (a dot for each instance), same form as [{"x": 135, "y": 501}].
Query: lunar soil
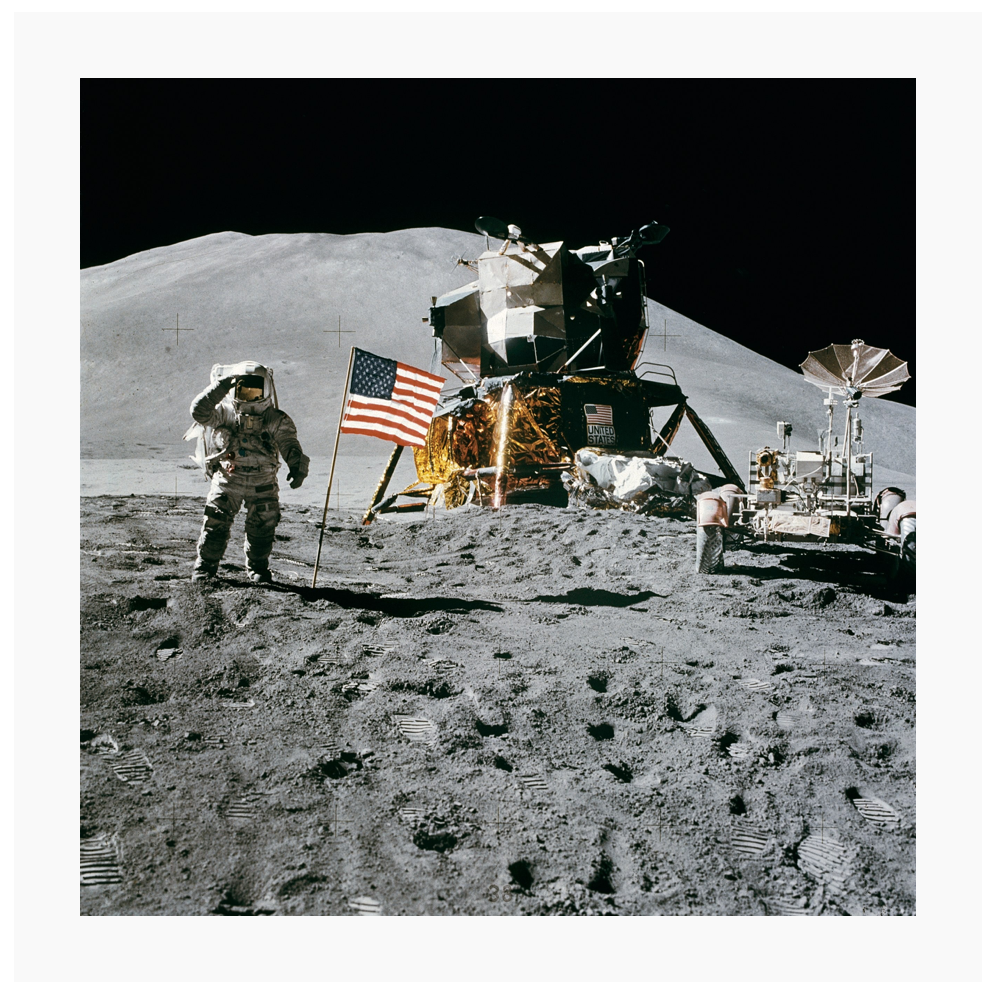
[{"x": 541, "y": 712}]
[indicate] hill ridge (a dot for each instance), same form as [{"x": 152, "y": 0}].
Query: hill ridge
[{"x": 278, "y": 298}]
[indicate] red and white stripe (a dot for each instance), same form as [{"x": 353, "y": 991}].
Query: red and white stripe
[
  {"x": 600, "y": 414},
  {"x": 405, "y": 417}
]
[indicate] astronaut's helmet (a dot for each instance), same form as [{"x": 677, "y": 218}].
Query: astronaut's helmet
[{"x": 253, "y": 389}]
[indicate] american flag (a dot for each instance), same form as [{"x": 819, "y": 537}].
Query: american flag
[
  {"x": 390, "y": 400},
  {"x": 599, "y": 414}
]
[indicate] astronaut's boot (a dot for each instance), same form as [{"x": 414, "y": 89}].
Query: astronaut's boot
[
  {"x": 258, "y": 572},
  {"x": 203, "y": 571},
  {"x": 205, "y": 566}
]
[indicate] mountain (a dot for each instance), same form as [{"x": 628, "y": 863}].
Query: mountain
[{"x": 278, "y": 299}]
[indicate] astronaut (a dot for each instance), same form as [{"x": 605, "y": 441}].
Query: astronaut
[{"x": 242, "y": 436}]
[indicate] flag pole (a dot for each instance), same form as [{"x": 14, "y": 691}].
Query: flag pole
[{"x": 334, "y": 460}]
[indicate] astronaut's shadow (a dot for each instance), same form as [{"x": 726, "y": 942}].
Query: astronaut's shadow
[{"x": 403, "y": 608}]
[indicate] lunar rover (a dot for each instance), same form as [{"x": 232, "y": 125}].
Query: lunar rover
[
  {"x": 824, "y": 493},
  {"x": 556, "y": 403}
]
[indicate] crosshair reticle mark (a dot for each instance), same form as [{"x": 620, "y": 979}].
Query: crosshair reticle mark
[
  {"x": 660, "y": 825},
  {"x": 826, "y": 826},
  {"x": 499, "y": 822},
  {"x": 663, "y": 662},
  {"x": 335, "y": 819},
  {"x": 665, "y": 336},
  {"x": 340, "y": 331},
  {"x": 171, "y": 843},
  {"x": 172, "y": 816},
  {"x": 818, "y": 664},
  {"x": 500, "y": 655},
  {"x": 177, "y": 329}
]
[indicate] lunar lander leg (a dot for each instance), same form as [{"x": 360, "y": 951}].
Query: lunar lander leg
[
  {"x": 716, "y": 450},
  {"x": 668, "y": 431},
  {"x": 380, "y": 490}
]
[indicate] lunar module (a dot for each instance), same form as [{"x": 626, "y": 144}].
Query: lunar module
[
  {"x": 555, "y": 402},
  {"x": 825, "y": 493}
]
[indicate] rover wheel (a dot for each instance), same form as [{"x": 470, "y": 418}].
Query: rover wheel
[
  {"x": 907, "y": 530},
  {"x": 893, "y": 568},
  {"x": 901, "y": 569},
  {"x": 906, "y": 576}
]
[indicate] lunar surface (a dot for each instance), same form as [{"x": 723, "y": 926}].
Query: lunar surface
[
  {"x": 482, "y": 713},
  {"x": 527, "y": 712}
]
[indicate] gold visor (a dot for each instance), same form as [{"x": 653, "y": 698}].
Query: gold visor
[{"x": 245, "y": 393}]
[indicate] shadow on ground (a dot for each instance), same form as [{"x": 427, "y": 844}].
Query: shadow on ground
[
  {"x": 402, "y": 608},
  {"x": 858, "y": 571},
  {"x": 597, "y": 597}
]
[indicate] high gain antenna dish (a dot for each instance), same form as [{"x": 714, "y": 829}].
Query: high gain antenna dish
[{"x": 866, "y": 371}]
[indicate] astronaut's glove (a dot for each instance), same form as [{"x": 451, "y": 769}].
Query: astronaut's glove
[{"x": 295, "y": 477}]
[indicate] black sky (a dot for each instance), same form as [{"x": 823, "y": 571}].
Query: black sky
[{"x": 791, "y": 203}]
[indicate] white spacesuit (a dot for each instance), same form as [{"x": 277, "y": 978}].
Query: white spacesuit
[{"x": 241, "y": 439}]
